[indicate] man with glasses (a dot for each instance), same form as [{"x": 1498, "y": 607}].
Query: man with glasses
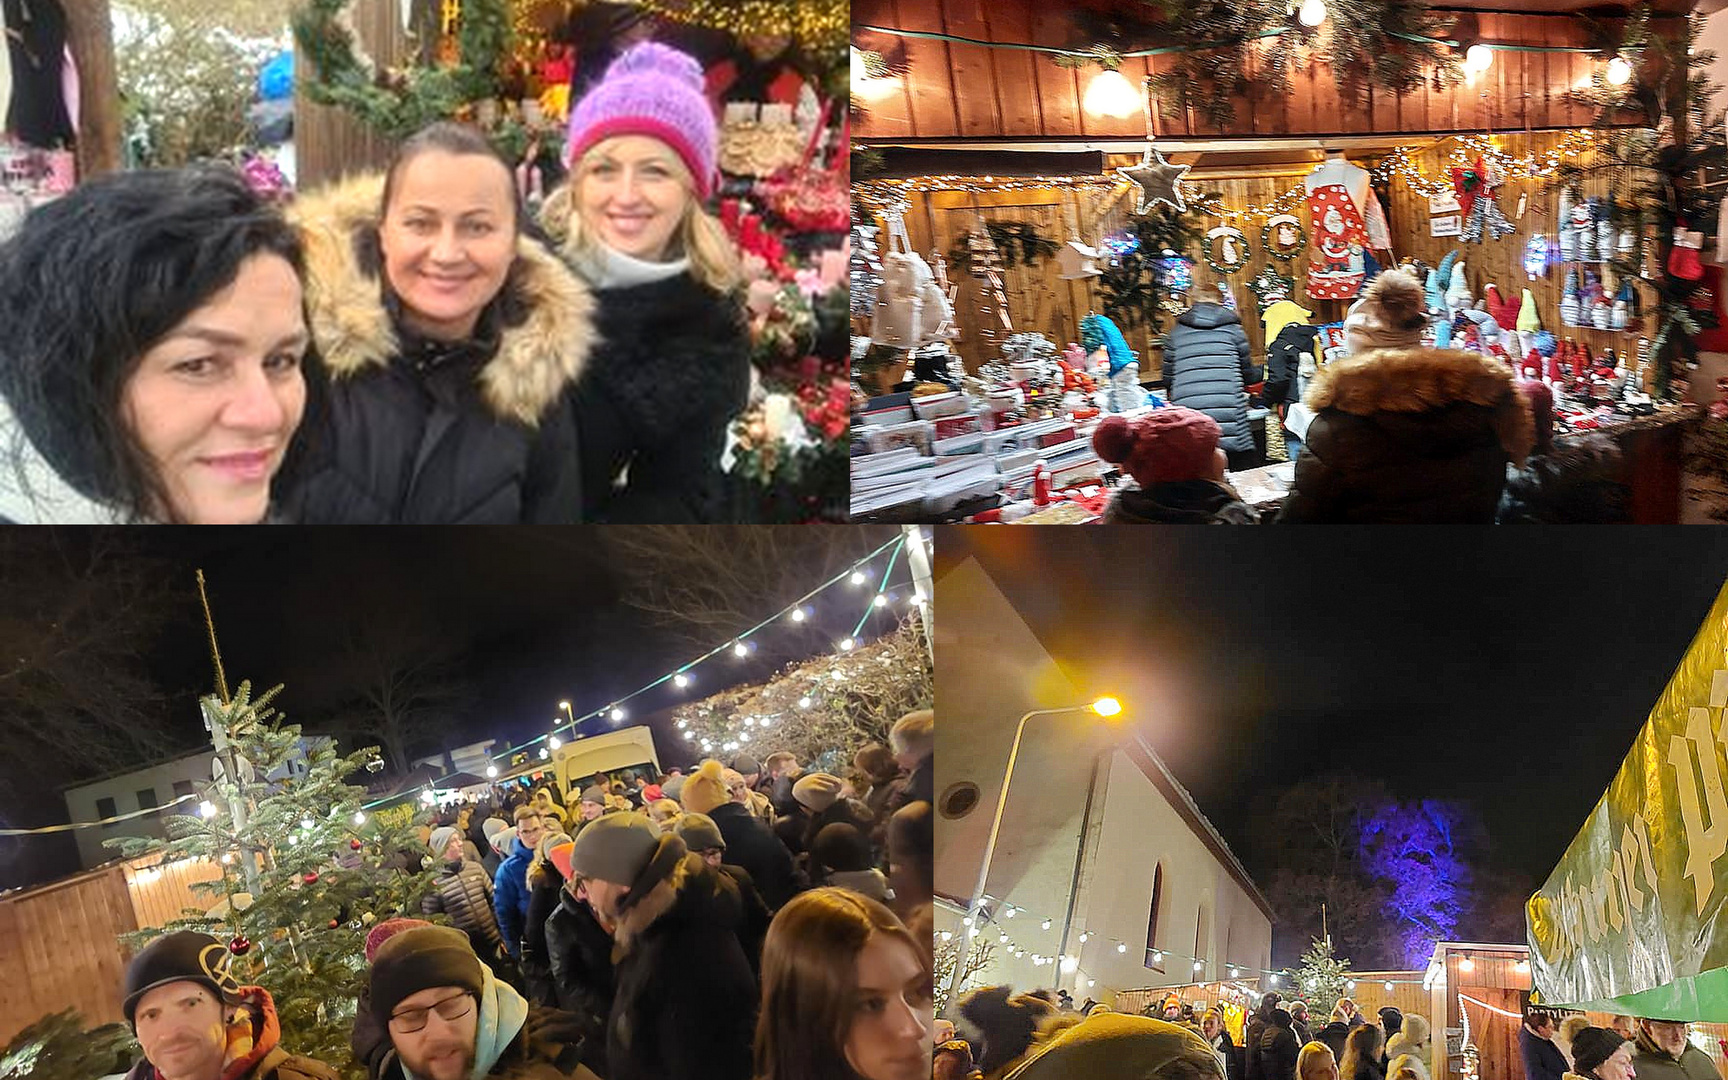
[
  {"x": 450, "y": 1018},
  {"x": 510, "y": 883},
  {"x": 196, "y": 1022},
  {"x": 1664, "y": 1053}
]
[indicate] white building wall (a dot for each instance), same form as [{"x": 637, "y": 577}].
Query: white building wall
[{"x": 990, "y": 670}]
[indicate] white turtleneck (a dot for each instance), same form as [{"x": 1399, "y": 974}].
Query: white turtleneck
[{"x": 605, "y": 267}]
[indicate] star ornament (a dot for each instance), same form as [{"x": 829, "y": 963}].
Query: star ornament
[{"x": 1159, "y": 181}]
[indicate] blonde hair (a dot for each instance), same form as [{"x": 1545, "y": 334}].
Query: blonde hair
[
  {"x": 714, "y": 259},
  {"x": 1309, "y": 1054}
]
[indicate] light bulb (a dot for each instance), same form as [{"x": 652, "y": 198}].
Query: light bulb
[
  {"x": 740, "y": 650},
  {"x": 967, "y": 921},
  {"x": 563, "y": 704},
  {"x": 947, "y": 935},
  {"x": 544, "y": 753},
  {"x": 207, "y": 809},
  {"x": 1466, "y": 964},
  {"x": 554, "y": 742},
  {"x": 1388, "y": 985},
  {"x": 1111, "y": 94},
  {"x": 1107, "y": 706},
  {"x": 689, "y": 736},
  {"x": 1090, "y": 983},
  {"x": 617, "y": 714},
  {"x": 1046, "y": 924},
  {"x": 307, "y": 824},
  {"x": 1157, "y": 956},
  {"x": 1619, "y": 71},
  {"x": 227, "y": 858},
  {"x": 1351, "y": 985},
  {"x": 1478, "y": 58},
  {"x": 847, "y": 645},
  {"x": 798, "y": 614},
  {"x": 491, "y": 771},
  {"x": 1120, "y": 947},
  {"x": 1070, "y": 964},
  {"x": 857, "y": 577},
  {"x": 803, "y": 703},
  {"x": 680, "y": 680},
  {"x": 1232, "y": 971},
  {"x": 972, "y": 932},
  {"x": 881, "y": 600},
  {"x": 1003, "y": 939},
  {"x": 1313, "y": 12},
  {"x": 360, "y": 817},
  {"x": 1199, "y": 965},
  {"x": 1084, "y": 937}
]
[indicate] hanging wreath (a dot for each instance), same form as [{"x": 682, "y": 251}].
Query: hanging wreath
[
  {"x": 400, "y": 101},
  {"x": 1234, "y": 254},
  {"x": 1289, "y": 239}
]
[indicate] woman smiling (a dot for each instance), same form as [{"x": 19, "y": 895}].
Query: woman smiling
[
  {"x": 151, "y": 366},
  {"x": 452, "y": 336}
]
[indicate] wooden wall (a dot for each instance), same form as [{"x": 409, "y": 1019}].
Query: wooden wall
[
  {"x": 60, "y": 944},
  {"x": 958, "y": 90},
  {"x": 1039, "y": 300},
  {"x": 329, "y": 142}
]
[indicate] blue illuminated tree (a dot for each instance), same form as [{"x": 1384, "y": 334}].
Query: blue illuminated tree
[{"x": 1419, "y": 850}]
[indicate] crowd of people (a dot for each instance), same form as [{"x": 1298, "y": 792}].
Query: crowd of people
[
  {"x": 1401, "y": 434},
  {"x": 412, "y": 347},
  {"x": 740, "y": 921},
  {"x": 1573, "y": 1049}
]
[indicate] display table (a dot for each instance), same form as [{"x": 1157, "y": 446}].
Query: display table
[{"x": 1650, "y": 444}]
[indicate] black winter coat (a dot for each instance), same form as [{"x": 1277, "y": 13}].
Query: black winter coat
[
  {"x": 1284, "y": 363},
  {"x": 654, "y": 406},
  {"x": 1419, "y": 436},
  {"x": 685, "y": 1004},
  {"x": 1278, "y": 1052},
  {"x": 1334, "y": 1036},
  {"x": 1574, "y": 484},
  {"x": 755, "y": 916},
  {"x": 753, "y": 846},
  {"x": 1251, "y": 1046},
  {"x": 1542, "y": 1059},
  {"x": 464, "y": 892},
  {"x": 410, "y": 430},
  {"x": 1180, "y": 502},
  {"x": 1206, "y": 363},
  {"x": 580, "y": 953},
  {"x": 536, "y": 965}
]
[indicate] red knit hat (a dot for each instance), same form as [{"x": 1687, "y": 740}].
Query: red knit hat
[
  {"x": 386, "y": 930},
  {"x": 1541, "y": 401},
  {"x": 1166, "y": 444}
]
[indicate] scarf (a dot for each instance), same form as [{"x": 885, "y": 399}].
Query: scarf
[
  {"x": 503, "y": 1011},
  {"x": 607, "y": 268}
]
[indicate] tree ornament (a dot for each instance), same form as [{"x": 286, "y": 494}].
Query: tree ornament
[
  {"x": 1160, "y": 181},
  {"x": 1176, "y": 272},
  {"x": 354, "y": 845},
  {"x": 310, "y": 877},
  {"x": 1232, "y": 251},
  {"x": 1287, "y": 241},
  {"x": 238, "y": 945},
  {"x": 1269, "y": 287}
]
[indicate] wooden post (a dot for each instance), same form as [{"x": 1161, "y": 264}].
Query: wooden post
[{"x": 90, "y": 37}]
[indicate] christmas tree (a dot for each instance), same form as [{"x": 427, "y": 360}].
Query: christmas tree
[
  {"x": 304, "y": 870},
  {"x": 1320, "y": 976},
  {"x": 57, "y": 1047},
  {"x": 1134, "y": 290}
]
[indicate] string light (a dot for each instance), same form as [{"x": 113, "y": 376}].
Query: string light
[
  {"x": 740, "y": 650},
  {"x": 206, "y": 809},
  {"x": 617, "y": 714},
  {"x": 1121, "y": 947},
  {"x": 680, "y": 680},
  {"x": 798, "y": 614},
  {"x": 1111, "y": 94},
  {"x": 360, "y": 818},
  {"x": 1046, "y": 924},
  {"x": 554, "y": 742},
  {"x": 544, "y": 753},
  {"x": 857, "y": 577},
  {"x": 848, "y": 644},
  {"x": 880, "y": 601},
  {"x": 1466, "y": 964},
  {"x": 1467, "y": 149}
]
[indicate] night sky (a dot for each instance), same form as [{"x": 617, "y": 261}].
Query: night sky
[
  {"x": 1508, "y": 668},
  {"x": 538, "y": 610}
]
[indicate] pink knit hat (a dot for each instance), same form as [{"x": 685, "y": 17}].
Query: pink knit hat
[
  {"x": 652, "y": 90},
  {"x": 386, "y": 930}
]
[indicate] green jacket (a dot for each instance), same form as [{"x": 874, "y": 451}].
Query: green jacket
[{"x": 1694, "y": 1064}]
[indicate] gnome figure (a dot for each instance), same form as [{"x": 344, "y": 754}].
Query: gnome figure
[{"x": 1458, "y": 292}]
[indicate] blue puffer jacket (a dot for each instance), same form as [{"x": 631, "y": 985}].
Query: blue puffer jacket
[
  {"x": 1206, "y": 364},
  {"x": 510, "y": 896}
]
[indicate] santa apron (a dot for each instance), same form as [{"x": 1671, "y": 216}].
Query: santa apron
[{"x": 1335, "y": 259}]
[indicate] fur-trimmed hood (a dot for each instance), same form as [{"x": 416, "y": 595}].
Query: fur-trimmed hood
[
  {"x": 536, "y": 361},
  {"x": 1414, "y": 380},
  {"x": 678, "y": 885}
]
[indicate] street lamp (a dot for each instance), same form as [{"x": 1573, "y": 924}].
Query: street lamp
[
  {"x": 571, "y": 713},
  {"x": 1104, "y": 706}
]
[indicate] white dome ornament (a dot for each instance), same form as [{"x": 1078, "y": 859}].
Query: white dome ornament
[{"x": 1159, "y": 181}]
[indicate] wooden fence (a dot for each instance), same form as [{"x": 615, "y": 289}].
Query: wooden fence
[
  {"x": 330, "y": 143},
  {"x": 60, "y": 943}
]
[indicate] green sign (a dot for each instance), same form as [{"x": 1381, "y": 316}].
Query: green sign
[{"x": 1631, "y": 920}]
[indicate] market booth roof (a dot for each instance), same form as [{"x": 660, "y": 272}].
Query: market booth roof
[{"x": 1632, "y": 920}]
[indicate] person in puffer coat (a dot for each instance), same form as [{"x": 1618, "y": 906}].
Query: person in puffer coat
[
  {"x": 1207, "y": 365},
  {"x": 451, "y": 338},
  {"x": 1404, "y": 433},
  {"x": 464, "y": 893}
]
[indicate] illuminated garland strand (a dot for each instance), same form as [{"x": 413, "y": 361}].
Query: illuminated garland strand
[
  {"x": 1402, "y": 162},
  {"x": 1204, "y": 46}
]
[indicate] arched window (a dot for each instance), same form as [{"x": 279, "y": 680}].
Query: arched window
[{"x": 1152, "y": 920}]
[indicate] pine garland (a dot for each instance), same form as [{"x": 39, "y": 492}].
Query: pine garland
[
  {"x": 1020, "y": 243},
  {"x": 399, "y": 102}
]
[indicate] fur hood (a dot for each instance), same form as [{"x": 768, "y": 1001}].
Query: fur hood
[
  {"x": 1418, "y": 379},
  {"x": 536, "y": 361}
]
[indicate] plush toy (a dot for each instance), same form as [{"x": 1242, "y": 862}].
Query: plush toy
[{"x": 1096, "y": 330}]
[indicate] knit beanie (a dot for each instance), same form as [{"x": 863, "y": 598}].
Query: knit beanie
[
  {"x": 503, "y": 838},
  {"x": 653, "y": 90},
  {"x": 746, "y": 765},
  {"x": 183, "y": 956},
  {"x": 1541, "y": 400},
  {"x": 651, "y": 793},
  {"x": 1390, "y": 315},
  {"x": 492, "y": 827},
  {"x": 705, "y": 789},
  {"x": 418, "y": 959},
  {"x": 817, "y": 791},
  {"x": 1112, "y": 1044},
  {"x": 386, "y": 930},
  {"x": 673, "y": 787},
  {"x": 1592, "y": 1046},
  {"x": 1166, "y": 444},
  {"x": 595, "y": 794},
  {"x": 699, "y": 832},
  {"x": 559, "y": 855},
  {"x": 440, "y": 840},
  {"x": 615, "y": 848}
]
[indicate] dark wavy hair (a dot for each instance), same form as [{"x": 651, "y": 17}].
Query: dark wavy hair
[{"x": 89, "y": 284}]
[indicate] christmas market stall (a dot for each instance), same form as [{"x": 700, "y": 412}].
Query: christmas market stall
[
  {"x": 1045, "y": 191},
  {"x": 374, "y": 71}
]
